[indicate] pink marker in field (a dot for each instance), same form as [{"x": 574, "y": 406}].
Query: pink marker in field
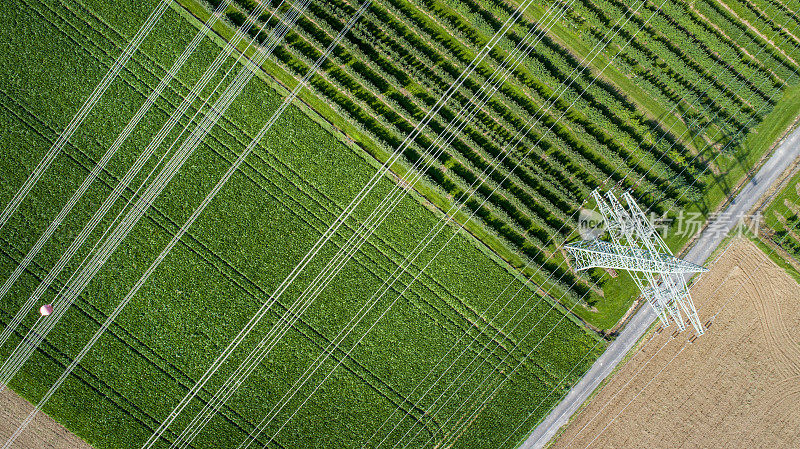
[{"x": 46, "y": 309}]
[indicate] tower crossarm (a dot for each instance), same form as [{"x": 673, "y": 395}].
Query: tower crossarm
[
  {"x": 636, "y": 247},
  {"x": 599, "y": 254}
]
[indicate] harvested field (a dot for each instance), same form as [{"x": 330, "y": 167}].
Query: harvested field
[
  {"x": 736, "y": 386},
  {"x": 43, "y": 433}
]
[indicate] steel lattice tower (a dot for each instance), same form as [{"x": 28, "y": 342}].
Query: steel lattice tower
[{"x": 637, "y": 248}]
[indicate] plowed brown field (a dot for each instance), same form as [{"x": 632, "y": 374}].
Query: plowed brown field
[
  {"x": 736, "y": 386},
  {"x": 42, "y": 433}
]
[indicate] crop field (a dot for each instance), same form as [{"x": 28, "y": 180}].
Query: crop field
[
  {"x": 685, "y": 98},
  {"x": 296, "y": 181},
  {"x": 47, "y": 433},
  {"x": 782, "y": 218},
  {"x": 734, "y": 386},
  {"x": 685, "y": 107}
]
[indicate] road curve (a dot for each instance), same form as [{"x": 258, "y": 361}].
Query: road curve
[{"x": 702, "y": 248}]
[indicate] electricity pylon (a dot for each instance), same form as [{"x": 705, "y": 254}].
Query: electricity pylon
[{"x": 637, "y": 248}]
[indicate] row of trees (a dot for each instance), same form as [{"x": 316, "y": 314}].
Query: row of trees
[
  {"x": 749, "y": 88},
  {"x": 388, "y": 74},
  {"x": 787, "y": 237},
  {"x": 610, "y": 118},
  {"x": 652, "y": 52},
  {"x": 772, "y": 58},
  {"x": 782, "y": 35}
]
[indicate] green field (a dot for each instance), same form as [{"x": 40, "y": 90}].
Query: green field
[
  {"x": 782, "y": 218},
  {"x": 698, "y": 76},
  {"x": 689, "y": 106},
  {"x": 290, "y": 189}
]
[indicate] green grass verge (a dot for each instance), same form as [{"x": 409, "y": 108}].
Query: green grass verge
[
  {"x": 781, "y": 227},
  {"x": 778, "y": 207}
]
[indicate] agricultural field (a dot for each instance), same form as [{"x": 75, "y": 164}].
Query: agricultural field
[
  {"x": 684, "y": 100},
  {"x": 297, "y": 180},
  {"x": 782, "y": 219},
  {"x": 734, "y": 386},
  {"x": 691, "y": 97},
  {"x": 47, "y": 433}
]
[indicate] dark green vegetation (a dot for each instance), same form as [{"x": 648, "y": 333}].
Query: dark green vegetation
[
  {"x": 53, "y": 53},
  {"x": 782, "y": 218},
  {"x": 683, "y": 111}
]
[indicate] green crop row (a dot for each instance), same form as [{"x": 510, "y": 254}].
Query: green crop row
[
  {"x": 782, "y": 218},
  {"x": 600, "y": 104},
  {"x": 675, "y": 70},
  {"x": 296, "y": 181},
  {"x": 780, "y": 36},
  {"x": 402, "y": 55},
  {"x": 606, "y": 114},
  {"x": 774, "y": 58}
]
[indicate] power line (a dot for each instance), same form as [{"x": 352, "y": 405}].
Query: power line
[
  {"x": 92, "y": 176},
  {"x": 85, "y": 109},
  {"x": 326, "y": 236},
  {"x": 72, "y": 288}
]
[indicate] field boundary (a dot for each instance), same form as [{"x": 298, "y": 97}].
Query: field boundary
[{"x": 509, "y": 263}]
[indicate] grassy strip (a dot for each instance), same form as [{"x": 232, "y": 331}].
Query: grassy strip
[
  {"x": 778, "y": 206},
  {"x": 782, "y": 224},
  {"x": 775, "y": 255}
]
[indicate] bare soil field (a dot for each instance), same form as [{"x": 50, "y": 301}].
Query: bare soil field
[
  {"x": 736, "y": 386},
  {"x": 43, "y": 433}
]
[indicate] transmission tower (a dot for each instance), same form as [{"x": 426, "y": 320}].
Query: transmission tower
[{"x": 636, "y": 247}]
